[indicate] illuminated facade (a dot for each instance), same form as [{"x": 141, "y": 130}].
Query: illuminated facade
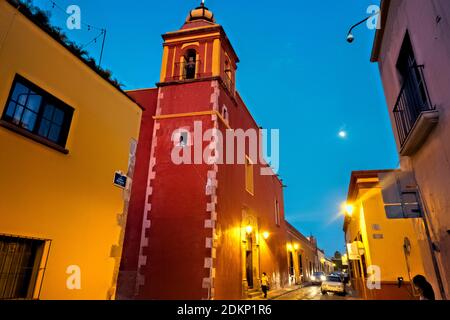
[
  {"x": 200, "y": 230},
  {"x": 386, "y": 248},
  {"x": 64, "y": 132},
  {"x": 302, "y": 256}
]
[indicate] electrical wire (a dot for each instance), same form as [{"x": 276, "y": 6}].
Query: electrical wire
[
  {"x": 88, "y": 25},
  {"x": 93, "y": 40}
]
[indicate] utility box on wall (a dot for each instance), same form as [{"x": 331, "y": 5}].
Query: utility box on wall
[{"x": 400, "y": 195}]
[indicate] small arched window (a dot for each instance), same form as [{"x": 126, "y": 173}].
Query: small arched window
[
  {"x": 225, "y": 114},
  {"x": 181, "y": 138},
  {"x": 191, "y": 64}
]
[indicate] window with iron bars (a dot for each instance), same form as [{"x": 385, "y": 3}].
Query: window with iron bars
[
  {"x": 414, "y": 98},
  {"x": 20, "y": 260}
]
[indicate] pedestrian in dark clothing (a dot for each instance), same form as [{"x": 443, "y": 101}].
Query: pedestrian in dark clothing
[
  {"x": 264, "y": 284},
  {"x": 424, "y": 287}
]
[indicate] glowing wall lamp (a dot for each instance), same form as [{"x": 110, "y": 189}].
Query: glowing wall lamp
[
  {"x": 249, "y": 229},
  {"x": 266, "y": 235},
  {"x": 296, "y": 246},
  {"x": 348, "y": 209},
  {"x": 289, "y": 247}
]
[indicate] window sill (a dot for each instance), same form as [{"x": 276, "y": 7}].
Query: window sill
[
  {"x": 32, "y": 136},
  {"x": 426, "y": 122}
]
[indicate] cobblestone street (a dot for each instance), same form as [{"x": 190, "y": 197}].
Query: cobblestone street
[{"x": 311, "y": 293}]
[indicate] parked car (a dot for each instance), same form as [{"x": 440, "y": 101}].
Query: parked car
[
  {"x": 318, "y": 277},
  {"x": 334, "y": 284},
  {"x": 344, "y": 276}
]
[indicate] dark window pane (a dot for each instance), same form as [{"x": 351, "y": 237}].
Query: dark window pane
[
  {"x": 10, "y": 109},
  {"x": 20, "y": 93},
  {"x": 54, "y": 133},
  {"x": 29, "y": 120},
  {"x": 58, "y": 117},
  {"x": 48, "y": 112},
  {"x": 18, "y": 114},
  {"x": 34, "y": 102},
  {"x": 44, "y": 128},
  {"x": 30, "y": 109}
]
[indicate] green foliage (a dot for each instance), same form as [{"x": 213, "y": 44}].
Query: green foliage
[{"x": 42, "y": 19}]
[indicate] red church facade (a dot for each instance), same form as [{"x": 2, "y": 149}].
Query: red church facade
[{"x": 204, "y": 229}]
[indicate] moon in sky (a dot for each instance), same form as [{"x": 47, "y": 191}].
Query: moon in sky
[{"x": 342, "y": 134}]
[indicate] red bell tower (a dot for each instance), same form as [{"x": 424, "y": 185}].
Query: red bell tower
[
  {"x": 186, "y": 228},
  {"x": 173, "y": 256},
  {"x": 200, "y": 50}
]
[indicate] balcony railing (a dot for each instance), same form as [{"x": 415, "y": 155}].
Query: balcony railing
[
  {"x": 183, "y": 71},
  {"x": 229, "y": 82},
  {"x": 412, "y": 101}
]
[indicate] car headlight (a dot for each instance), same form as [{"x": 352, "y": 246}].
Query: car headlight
[{"x": 323, "y": 278}]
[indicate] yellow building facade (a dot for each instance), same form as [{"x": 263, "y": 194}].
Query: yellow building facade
[
  {"x": 302, "y": 256},
  {"x": 388, "y": 249},
  {"x": 64, "y": 133}
]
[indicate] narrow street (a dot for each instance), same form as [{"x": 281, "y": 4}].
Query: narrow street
[
  {"x": 311, "y": 293},
  {"x": 208, "y": 151}
]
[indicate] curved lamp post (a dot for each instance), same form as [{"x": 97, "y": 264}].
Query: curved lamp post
[{"x": 350, "y": 37}]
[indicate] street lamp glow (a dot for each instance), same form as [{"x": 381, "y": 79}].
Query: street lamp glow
[
  {"x": 289, "y": 246},
  {"x": 348, "y": 209},
  {"x": 296, "y": 246},
  {"x": 266, "y": 235},
  {"x": 249, "y": 229}
]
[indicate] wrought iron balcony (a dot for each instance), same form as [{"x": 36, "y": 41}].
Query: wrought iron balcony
[{"x": 415, "y": 115}]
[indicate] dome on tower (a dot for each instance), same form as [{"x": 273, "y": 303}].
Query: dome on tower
[{"x": 200, "y": 13}]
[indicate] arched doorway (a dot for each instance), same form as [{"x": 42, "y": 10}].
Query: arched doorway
[{"x": 250, "y": 253}]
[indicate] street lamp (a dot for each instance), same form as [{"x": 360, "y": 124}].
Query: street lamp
[
  {"x": 348, "y": 209},
  {"x": 249, "y": 229},
  {"x": 266, "y": 235},
  {"x": 296, "y": 246},
  {"x": 350, "y": 36}
]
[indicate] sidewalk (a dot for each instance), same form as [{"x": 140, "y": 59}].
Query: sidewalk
[
  {"x": 353, "y": 294},
  {"x": 273, "y": 294}
]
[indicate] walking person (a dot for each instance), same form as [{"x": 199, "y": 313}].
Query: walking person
[
  {"x": 264, "y": 284},
  {"x": 424, "y": 287}
]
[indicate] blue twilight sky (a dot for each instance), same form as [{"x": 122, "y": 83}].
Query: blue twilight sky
[{"x": 297, "y": 74}]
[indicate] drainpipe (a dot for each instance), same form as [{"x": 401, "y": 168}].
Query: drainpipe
[
  {"x": 424, "y": 216},
  {"x": 430, "y": 243}
]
